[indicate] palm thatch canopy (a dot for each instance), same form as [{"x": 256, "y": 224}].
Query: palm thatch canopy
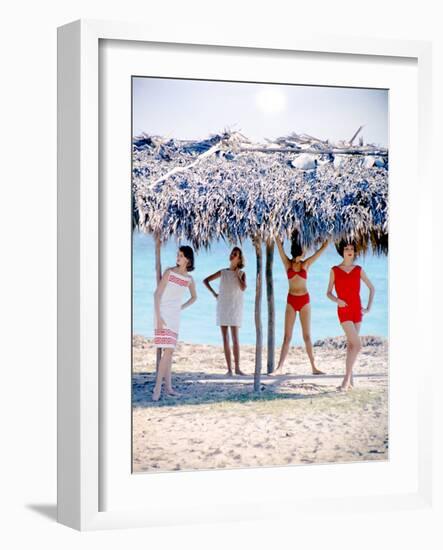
[{"x": 228, "y": 187}]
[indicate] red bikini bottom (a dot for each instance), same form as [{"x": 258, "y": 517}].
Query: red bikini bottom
[{"x": 297, "y": 302}]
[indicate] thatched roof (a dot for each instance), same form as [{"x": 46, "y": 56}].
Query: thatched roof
[{"x": 227, "y": 187}]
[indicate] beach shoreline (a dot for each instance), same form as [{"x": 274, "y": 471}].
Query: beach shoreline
[{"x": 297, "y": 418}]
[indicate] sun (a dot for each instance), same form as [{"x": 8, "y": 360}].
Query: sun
[{"x": 271, "y": 100}]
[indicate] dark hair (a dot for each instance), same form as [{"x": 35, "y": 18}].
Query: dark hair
[
  {"x": 242, "y": 262},
  {"x": 188, "y": 253},
  {"x": 296, "y": 248},
  {"x": 340, "y": 246}
]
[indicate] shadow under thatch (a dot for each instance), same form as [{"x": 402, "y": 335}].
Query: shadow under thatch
[
  {"x": 206, "y": 399},
  {"x": 202, "y": 389},
  {"x": 266, "y": 379}
]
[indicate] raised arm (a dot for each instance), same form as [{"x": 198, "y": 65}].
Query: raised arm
[
  {"x": 286, "y": 261},
  {"x": 157, "y": 295},
  {"x": 309, "y": 261},
  {"x": 207, "y": 281},
  {"x": 193, "y": 293},
  {"x": 371, "y": 288}
]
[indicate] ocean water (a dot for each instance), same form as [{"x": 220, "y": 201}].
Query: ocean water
[{"x": 198, "y": 321}]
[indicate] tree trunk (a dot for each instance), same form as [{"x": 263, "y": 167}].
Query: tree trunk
[
  {"x": 258, "y": 323},
  {"x": 158, "y": 276},
  {"x": 271, "y": 307}
]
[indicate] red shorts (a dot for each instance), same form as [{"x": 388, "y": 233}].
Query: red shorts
[
  {"x": 297, "y": 302},
  {"x": 350, "y": 313}
]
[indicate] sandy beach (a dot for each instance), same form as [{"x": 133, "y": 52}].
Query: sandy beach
[{"x": 297, "y": 418}]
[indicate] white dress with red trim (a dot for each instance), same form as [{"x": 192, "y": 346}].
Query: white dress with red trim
[{"x": 170, "y": 309}]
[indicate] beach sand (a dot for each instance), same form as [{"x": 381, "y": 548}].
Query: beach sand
[{"x": 297, "y": 418}]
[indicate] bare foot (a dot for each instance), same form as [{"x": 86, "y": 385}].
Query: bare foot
[
  {"x": 229, "y": 373},
  {"x": 240, "y": 373},
  {"x": 316, "y": 371},
  {"x": 156, "y": 394},
  {"x": 172, "y": 392},
  {"x": 278, "y": 372},
  {"x": 344, "y": 388}
]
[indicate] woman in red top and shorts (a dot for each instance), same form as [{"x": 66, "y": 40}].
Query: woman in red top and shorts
[
  {"x": 346, "y": 278},
  {"x": 298, "y": 299}
]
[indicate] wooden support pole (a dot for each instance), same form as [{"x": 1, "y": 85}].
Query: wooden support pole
[
  {"x": 271, "y": 307},
  {"x": 258, "y": 323},
  {"x": 158, "y": 276}
]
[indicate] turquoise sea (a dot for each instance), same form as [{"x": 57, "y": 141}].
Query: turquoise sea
[{"x": 198, "y": 321}]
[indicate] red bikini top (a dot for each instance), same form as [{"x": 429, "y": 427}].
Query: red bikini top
[{"x": 302, "y": 273}]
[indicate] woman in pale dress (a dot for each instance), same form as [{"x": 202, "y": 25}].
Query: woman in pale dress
[
  {"x": 230, "y": 305},
  {"x": 168, "y": 304}
]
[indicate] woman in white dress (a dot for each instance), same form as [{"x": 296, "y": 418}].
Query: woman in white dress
[
  {"x": 168, "y": 304},
  {"x": 230, "y": 304}
]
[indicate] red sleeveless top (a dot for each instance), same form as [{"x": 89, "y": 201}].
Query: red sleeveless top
[
  {"x": 347, "y": 285},
  {"x": 302, "y": 273}
]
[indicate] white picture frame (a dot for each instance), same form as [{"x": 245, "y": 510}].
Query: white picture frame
[{"x": 81, "y": 394}]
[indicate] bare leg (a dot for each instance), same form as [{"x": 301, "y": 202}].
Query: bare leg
[
  {"x": 161, "y": 372},
  {"x": 305, "y": 319},
  {"x": 227, "y": 349},
  {"x": 168, "y": 379},
  {"x": 236, "y": 349},
  {"x": 290, "y": 317},
  {"x": 353, "y": 349},
  {"x": 357, "y": 328}
]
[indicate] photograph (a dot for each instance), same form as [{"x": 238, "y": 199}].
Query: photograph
[{"x": 260, "y": 314}]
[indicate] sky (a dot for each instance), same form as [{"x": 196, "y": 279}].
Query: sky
[{"x": 192, "y": 109}]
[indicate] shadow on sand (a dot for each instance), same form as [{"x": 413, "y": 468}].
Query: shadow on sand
[{"x": 198, "y": 388}]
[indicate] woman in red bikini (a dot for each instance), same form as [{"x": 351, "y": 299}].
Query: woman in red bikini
[
  {"x": 346, "y": 278},
  {"x": 298, "y": 299}
]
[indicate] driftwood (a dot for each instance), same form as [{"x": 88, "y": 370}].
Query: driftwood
[
  {"x": 271, "y": 307},
  {"x": 258, "y": 323},
  {"x": 355, "y": 135},
  {"x": 179, "y": 169},
  {"x": 294, "y": 143},
  {"x": 363, "y": 151}
]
